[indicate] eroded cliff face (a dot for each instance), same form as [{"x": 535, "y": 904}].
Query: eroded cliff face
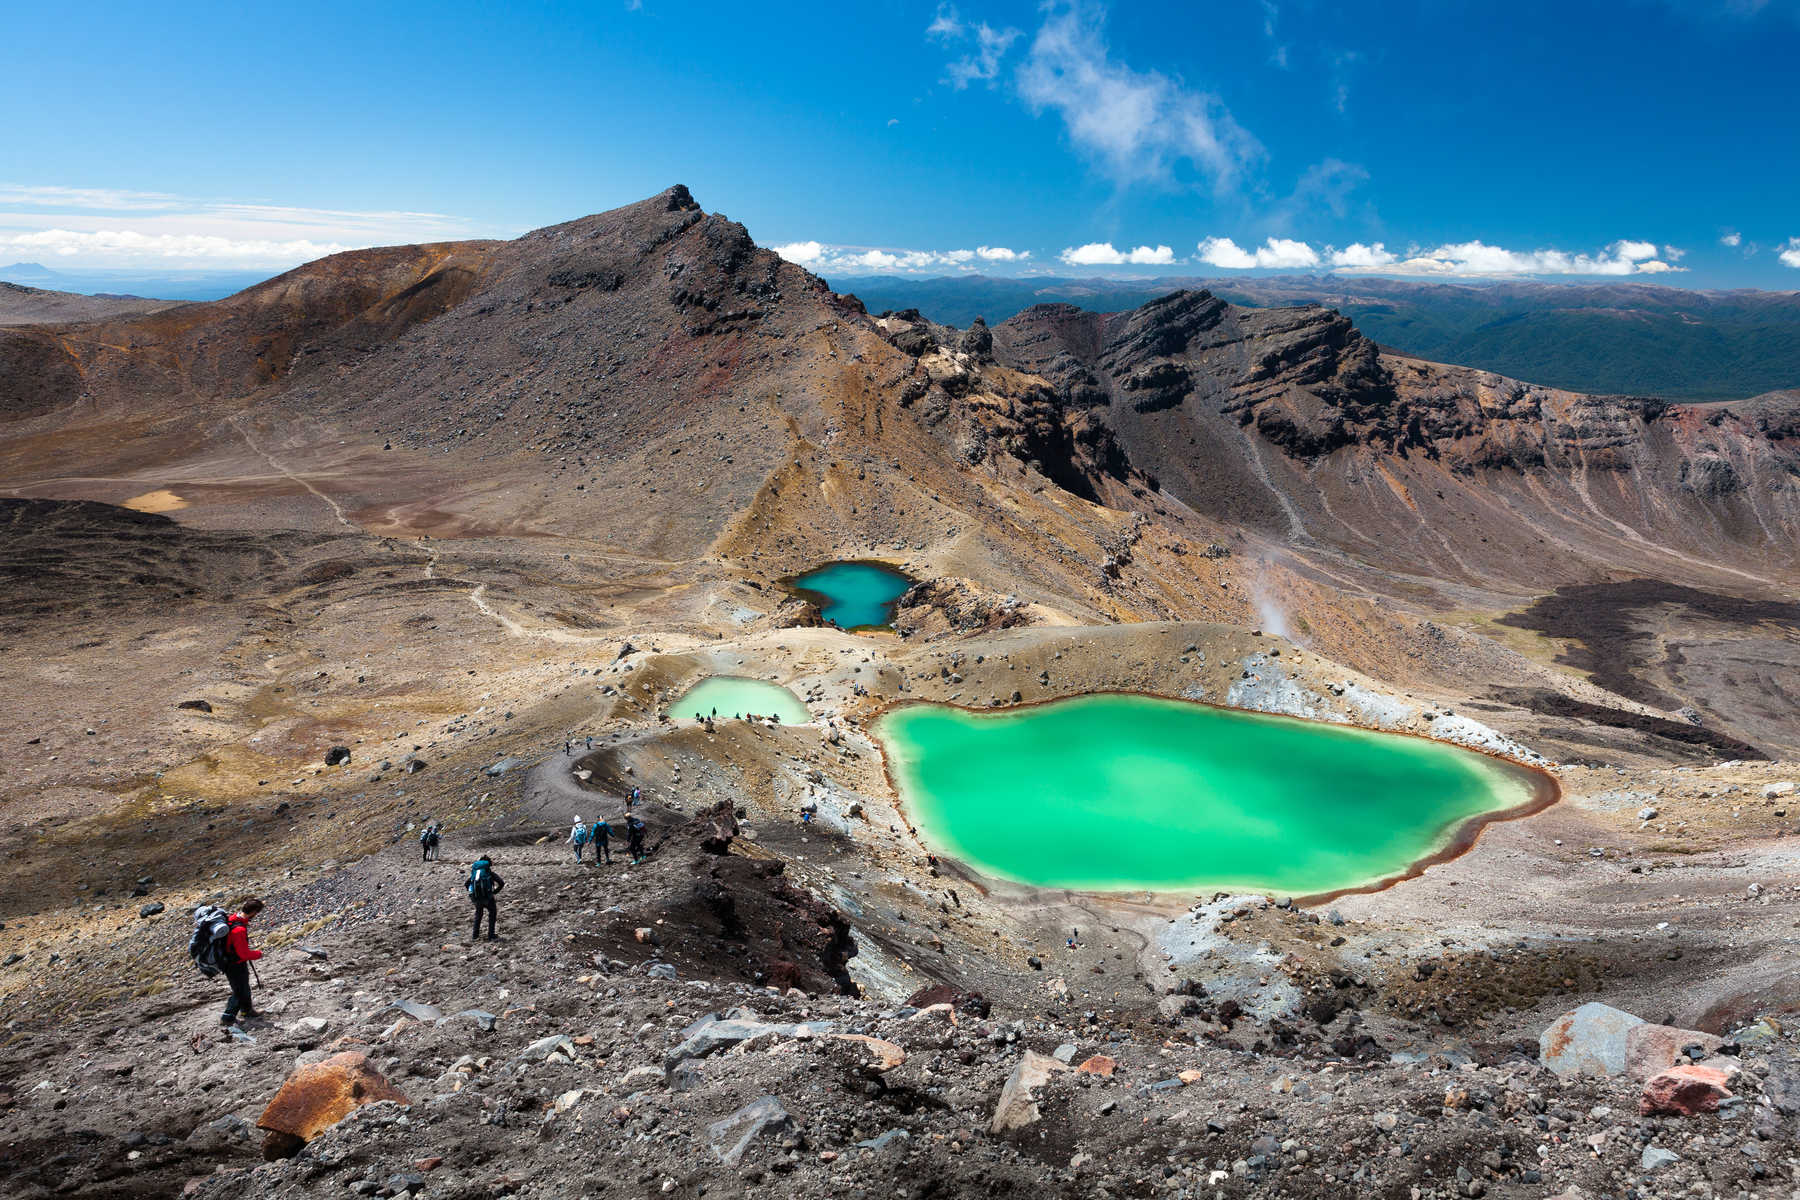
[{"x": 1292, "y": 421}]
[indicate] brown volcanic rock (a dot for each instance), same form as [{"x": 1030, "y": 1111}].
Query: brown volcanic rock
[
  {"x": 319, "y": 1095},
  {"x": 347, "y": 303}
]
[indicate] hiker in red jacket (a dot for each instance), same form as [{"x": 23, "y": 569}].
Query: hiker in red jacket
[{"x": 237, "y": 970}]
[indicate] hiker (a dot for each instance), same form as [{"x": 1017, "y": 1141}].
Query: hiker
[
  {"x": 428, "y": 840},
  {"x": 578, "y": 837},
  {"x": 483, "y": 885},
  {"x": 634, "y": 839},
  {"x": 590, "y": 741},
  {"x": 566, "y": 746},
  {"x": 236, "y": 962},
  {"x": 601, "y": 835},
  {"x": 635, "y": 796}
]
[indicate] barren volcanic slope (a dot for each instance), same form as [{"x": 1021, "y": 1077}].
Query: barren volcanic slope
[{"x": 455, "y": 510}]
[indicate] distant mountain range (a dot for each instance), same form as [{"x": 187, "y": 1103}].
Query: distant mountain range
[
  {"x": 148, "y": 283},
  {"x": 1620, "y": 338}
]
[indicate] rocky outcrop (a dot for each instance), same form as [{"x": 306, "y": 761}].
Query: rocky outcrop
[{"x": 1292, "y": 421}]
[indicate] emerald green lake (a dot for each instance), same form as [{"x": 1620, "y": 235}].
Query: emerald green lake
[
  {"x": 853, "y": 595},
  {"x": 733, "y": 696},
  {"x": 1120, "y": 792}
]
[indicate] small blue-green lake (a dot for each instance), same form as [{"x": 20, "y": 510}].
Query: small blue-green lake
[
  {"x": 729, "y": 697},
  {"x": 1126, "y": 792},
  {"x": 853, "y": 595}
]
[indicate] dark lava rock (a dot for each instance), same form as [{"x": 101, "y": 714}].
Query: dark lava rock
[{"x": 337, "y": 755}]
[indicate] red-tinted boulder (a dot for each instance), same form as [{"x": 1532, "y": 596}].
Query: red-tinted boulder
[{"x": 1683, "y": 1091}]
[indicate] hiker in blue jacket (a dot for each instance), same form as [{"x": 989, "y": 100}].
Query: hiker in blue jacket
[
  {"x": 600, "y": 833},
  {"x": 483, "y": 885}
]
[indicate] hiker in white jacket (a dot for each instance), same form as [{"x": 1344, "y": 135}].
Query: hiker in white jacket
[{"x": 578, "y": 837}]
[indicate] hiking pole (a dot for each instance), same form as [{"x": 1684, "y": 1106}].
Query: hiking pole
[{"x": 256, "y": 973}]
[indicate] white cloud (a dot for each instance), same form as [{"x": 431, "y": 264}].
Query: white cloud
[
  {"x": 1224, "y": 253},
  {"x": 126, "y": 245},
  {"x": 1477, "y": 258},
  {"x": 1001, "y": 254},
  {"x": 1358, "y": 255},
  {"x": 1135, "y": 124},
  {"x": 861, "y": 260},
  {"x": 1790, "y": 253},
  {"x": 871, "y": 260},
  {"x": 982, "y": 63},
  {"x": 101, "y": 227},
  {"x": 1273, "y": 254},
  {"x": 1734, "y": 238},
  {"x": 804, "y": 253},
  {"x": 1102, "y": 254}
]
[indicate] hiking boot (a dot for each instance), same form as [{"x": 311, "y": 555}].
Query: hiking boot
[{"x": 493, "y": 937}]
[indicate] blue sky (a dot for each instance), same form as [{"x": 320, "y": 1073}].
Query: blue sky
[{"x": 1652, "y": 139}]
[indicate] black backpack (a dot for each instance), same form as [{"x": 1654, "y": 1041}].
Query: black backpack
[
  {"x": 210, "y": 947},
  {"x": 481, "y": 880}
]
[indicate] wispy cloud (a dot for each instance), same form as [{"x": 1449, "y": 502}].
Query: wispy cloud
[
  {"x": 1102, "y": 254},
  {"x": 1133, "y": 125},
  {"x": 1789, "y": 254},
  {"x": 985, "y": 47},
  {"x": 102, "y": 227},
  {"x": 1732, "y": 239},
  {"x": 861, "y": 260},
  {"x": 1278, "y": 51},
  {"x": 1475, "y": 258}
]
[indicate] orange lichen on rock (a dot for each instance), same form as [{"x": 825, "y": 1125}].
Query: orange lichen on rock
[{"x": 319, "y": 1095}]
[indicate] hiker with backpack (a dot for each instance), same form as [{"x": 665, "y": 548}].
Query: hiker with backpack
[
  {"x": 221, "y": 945},
  {"x": 483, "y": 885},
  {"x": 428, "y": 842},
  {"x": 578, "y": 837},
  {"x": 600, "y": 833},
  {"x": 634, "y": 839}
]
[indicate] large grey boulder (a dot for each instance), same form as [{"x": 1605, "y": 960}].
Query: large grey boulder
[{"x": 1598, "y": 1040}]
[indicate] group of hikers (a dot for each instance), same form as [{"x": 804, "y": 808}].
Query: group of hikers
[
  {"x": 599, "y": 835},
  {"x": 220, "y": 944}
]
